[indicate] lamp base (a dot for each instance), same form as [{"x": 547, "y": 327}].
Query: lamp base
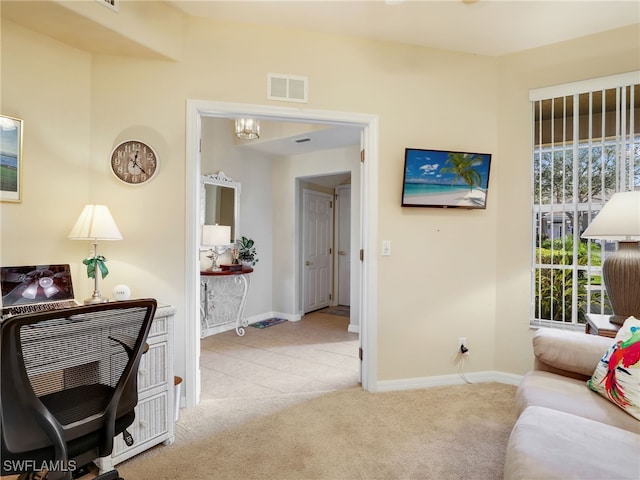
[
  {"x": 621, "y": 273},
  {"x": 96, "y": 297},
  {"x": 94, "y": 300}
]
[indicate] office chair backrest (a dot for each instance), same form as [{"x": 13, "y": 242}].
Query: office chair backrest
[{"x": 67, "y": 374}]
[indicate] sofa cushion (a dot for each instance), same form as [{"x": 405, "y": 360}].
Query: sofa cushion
[
  {"x": 566, "y": 352},
  {"x": 544, "y": 389},
  {"x": 617, "y": 375},
  {"x": 549, "y": 444}
]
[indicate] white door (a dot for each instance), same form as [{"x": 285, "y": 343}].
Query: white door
[
  {"x": 343, "y": 236},
  {"x": 316, "y": 254}
]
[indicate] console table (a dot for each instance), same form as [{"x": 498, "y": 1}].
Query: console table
[
  {"x": 223, "y": 295},
  {"x": 155, "y": 413}
]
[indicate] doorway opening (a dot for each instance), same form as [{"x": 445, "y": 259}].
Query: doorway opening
[
  {"x": 329, "y": 232},
  {"x": 367, "y": 208}
]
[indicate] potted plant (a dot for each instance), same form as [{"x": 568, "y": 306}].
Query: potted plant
[{"x": 247, "y": 251}]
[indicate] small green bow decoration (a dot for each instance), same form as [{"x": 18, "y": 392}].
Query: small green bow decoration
[{"x": 91, "y": 263}]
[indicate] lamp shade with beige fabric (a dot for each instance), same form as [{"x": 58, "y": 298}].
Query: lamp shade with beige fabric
[
  {"x": 214, "y": 235},
  {"x": 95, "y": 223},
  {"x": 619, "y": 220},
  {"x": 216, "y": 238}
]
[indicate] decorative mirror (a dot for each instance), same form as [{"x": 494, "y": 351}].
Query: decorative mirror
[{"x": 220, "y": 202}]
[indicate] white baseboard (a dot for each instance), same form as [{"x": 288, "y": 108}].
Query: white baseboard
[
  {"x": 255, "y": 318},
  {"x": 404, "y": 383},
  {"x": 443, "y": 380}
]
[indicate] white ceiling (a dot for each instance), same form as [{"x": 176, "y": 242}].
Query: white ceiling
[
  {"x": 313, "y": 140},
  {"x": 486, "y": 27}
]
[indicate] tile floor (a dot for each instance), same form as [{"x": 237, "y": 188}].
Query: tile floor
[{"x": 316, "y": 353}]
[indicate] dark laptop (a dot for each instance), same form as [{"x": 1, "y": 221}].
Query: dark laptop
[{"x": 35, "y": 288}]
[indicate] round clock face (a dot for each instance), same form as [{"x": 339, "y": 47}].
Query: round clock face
[{"x": 134, "y": 162}]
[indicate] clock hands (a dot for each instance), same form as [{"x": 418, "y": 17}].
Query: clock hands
[{"x": 136, "y": 164}]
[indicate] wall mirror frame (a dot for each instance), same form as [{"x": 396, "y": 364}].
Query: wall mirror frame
[{"x": 220, "y": 202}]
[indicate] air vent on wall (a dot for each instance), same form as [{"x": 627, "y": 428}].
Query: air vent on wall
[
  {"x": 112, "y": 4},
  {"x": 287, "y": 88}
]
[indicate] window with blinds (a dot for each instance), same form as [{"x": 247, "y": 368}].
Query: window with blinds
[{"x": 586, "y": 147}]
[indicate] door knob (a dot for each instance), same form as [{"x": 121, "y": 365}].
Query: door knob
[
  {"x": 342, "y": 252},
  {"x": 307, "y": 263}
]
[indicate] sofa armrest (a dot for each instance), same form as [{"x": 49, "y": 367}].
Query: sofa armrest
[{"x": 572, "y": 354}]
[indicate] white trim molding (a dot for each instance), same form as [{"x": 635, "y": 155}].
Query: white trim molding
[
  {"x": 195, "y": 109},
  {"x": 445, "y": 380}
]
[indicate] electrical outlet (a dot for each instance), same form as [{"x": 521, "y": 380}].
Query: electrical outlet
[{"x": 462, "y": 346}]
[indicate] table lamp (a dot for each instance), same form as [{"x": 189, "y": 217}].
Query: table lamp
[
  {"x": 619, "y": 220},
  {"x": 216, "y": 238},
  {"x": 95, "y": 223}
]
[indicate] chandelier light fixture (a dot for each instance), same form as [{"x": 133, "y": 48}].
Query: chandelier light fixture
[{"x": 247, "y": 128}]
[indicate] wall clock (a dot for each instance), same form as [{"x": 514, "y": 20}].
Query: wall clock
[{"x": 134, "y": 162}]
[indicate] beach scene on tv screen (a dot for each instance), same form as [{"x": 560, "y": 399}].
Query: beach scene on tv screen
[{"x": 445, "y": 179}]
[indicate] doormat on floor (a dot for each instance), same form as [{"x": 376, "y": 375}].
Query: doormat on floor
[
  {"x": 268, "y": 323},
  {"x": 342, "y": 310}
]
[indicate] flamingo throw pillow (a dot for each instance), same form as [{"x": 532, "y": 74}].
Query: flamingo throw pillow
[{"x": 617, "y": 376}]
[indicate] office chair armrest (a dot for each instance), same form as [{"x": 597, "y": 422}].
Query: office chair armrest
[{"x": 128, "y": 342}]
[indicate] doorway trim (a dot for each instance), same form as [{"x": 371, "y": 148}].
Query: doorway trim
[
  {"x": 368, "y": 216},
  {"x": 340, "y": 221}
]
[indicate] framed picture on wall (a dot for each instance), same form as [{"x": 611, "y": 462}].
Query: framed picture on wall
[
  {"x": 10, "y": 159},
  {"x": 445, "y": 179}
]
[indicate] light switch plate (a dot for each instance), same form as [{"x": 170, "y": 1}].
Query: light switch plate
[{"x": 386, "y": 248}]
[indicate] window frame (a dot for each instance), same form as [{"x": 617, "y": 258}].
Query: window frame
[{"x": 573, "y": 214}]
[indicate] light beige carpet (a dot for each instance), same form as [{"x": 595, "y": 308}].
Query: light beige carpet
[{"x": 456, "y": 432}]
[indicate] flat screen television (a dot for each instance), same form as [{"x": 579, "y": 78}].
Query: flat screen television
[{"x": 445, "y": 179}]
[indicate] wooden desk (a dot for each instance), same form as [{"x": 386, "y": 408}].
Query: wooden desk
[{"x": 600, "y": 325}]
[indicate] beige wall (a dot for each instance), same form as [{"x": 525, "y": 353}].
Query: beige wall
[
  {"x": 48, "y": 85},
  {"x": 453, "y": 272}
]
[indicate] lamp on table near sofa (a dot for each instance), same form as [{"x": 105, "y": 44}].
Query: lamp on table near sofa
[{"x": 619, "y": 220}]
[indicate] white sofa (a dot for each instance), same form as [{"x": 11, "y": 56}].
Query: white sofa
[{"x": 565, "y": 430}]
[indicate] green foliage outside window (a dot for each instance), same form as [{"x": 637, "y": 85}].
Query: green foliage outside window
[{"x": 555, "y": 285}]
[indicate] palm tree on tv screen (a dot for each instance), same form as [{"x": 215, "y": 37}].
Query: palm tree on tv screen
[{"x": 462, "y": 166}]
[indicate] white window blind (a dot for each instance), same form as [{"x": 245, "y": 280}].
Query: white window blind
[{"x": 586, "y": 147}]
